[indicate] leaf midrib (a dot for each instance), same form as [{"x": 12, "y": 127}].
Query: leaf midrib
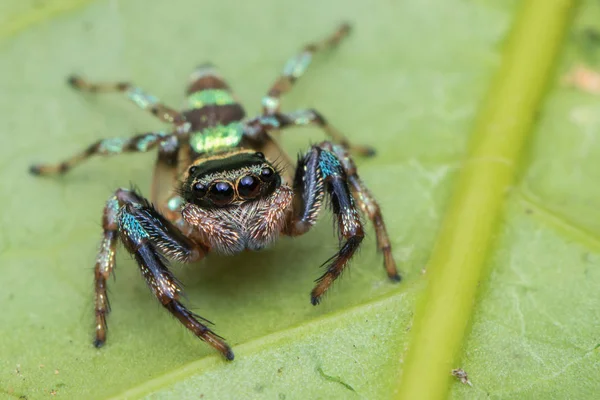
[{"x": 473, "y": 217}]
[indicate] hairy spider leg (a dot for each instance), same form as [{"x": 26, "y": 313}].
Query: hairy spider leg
[
  {"x": 105, "y": 147},
  {"x": 142, "y": 99},
  {"x": 149, "y": 237},
  {"x": 105, "y": 264},
  {"x": 279, "y": 120},
  {"x": 370, "y": 208},
  {"x": 295, "y": 68},
  {"x": 318, "y": 171}
]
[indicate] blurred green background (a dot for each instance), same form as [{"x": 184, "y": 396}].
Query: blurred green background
[{"x": 408, "y": 81}]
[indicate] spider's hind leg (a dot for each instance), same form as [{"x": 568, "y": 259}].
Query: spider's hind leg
[
  {"x": 142, "y": 99},
  {"x": 148, "y": 237},
  {"x": 309, "y": 118},
  {"x": 273, "y": 119},
  {"x": 105, "y": 147},
  {"x": 295, "y": 68}
]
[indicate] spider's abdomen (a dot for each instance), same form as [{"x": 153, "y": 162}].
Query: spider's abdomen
[
  {"x": 249, "y": 226},
  {"x": 210, "y": 101}
]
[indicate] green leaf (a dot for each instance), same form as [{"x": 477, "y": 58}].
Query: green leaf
[
  {"x": 409, "y": 81},
  {"x": 487, "y": 173}
]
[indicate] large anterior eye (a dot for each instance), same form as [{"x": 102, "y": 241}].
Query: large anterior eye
[
  {"x": 248, "y": 186},
  {"x": 221, "y": 193}
]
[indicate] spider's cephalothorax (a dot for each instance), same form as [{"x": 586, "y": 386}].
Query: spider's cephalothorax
[
  {"x": 236, "y": 200},
  {"x": 215, "y": 188}
]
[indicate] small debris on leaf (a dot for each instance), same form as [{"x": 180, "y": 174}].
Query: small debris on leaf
[{"x": 461, "y": 374}]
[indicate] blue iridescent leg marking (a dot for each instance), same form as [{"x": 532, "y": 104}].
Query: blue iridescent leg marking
[
  {"x": 370, "y": 208},
  {"x": 318, "y": 172},
  {"x": 149, "y": 237},
  {"x": 296, "y": 67}
]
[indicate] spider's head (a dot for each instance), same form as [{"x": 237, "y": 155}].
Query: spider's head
[{"x": 229, "y": 179}]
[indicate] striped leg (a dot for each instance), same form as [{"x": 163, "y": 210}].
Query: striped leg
[
  {"x": 105, "y": 264},
  {"x": 138, "y": 96},
  {"x": 296, "y": 66},
  {"x": 303, "y": 118},
  {"x": 320, "y": 171},
  {"x": 148, "y": 236},
  {"x": 370, "y": 207},
  {"x": 106, "y": 147}
]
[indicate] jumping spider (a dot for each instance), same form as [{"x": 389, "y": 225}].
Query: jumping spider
[{"x": 215, "y": 189}]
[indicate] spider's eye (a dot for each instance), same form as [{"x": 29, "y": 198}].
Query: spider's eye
[
  {"x": 260, "y": 155},
  {"x": 248, "y": 186},
  {"x": 199, "y": 189},
  {"x": 192, "y": 170},
  {"x": 221, "y": 193},
  {"x": 267, "y": 174}
]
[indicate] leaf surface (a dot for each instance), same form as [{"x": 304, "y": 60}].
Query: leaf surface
[{"x": 408, "y": 81}]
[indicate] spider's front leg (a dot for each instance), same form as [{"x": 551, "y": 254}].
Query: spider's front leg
[
  {"x": 369, "y": 206},
  {"x": 323, "y": 170},
  {"x": 148, "y": 236}
]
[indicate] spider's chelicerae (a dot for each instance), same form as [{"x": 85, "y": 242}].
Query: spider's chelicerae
[{"x": 215, "y": 188}]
